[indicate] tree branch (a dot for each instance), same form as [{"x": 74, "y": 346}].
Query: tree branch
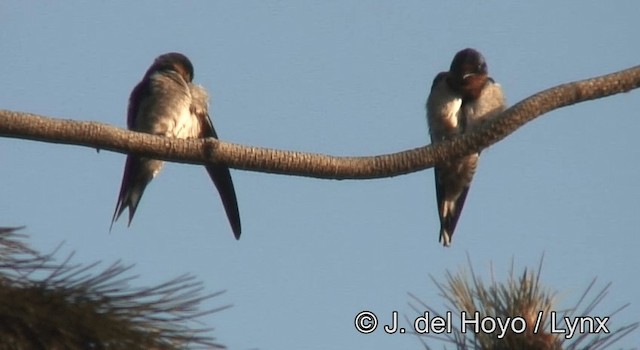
[{"x": 103, "y": 136}]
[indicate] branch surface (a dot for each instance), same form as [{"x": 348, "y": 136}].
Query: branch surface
[{"x": 102, "y": 136}]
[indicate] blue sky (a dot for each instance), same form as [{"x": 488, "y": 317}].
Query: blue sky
[{"x": 342, "y": 78}]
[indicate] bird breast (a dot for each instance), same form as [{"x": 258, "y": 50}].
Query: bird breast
[
  {"x": 443, "y": 112},
  {"x": 167, "y": 109},
  {"x": 490, "y": 103}
]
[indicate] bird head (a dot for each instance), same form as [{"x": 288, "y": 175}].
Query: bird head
[
  {"x": 175, "y": 62},
  {"x": 468, "y": 73}
]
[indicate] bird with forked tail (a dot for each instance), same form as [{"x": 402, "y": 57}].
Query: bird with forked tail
[
  {"x": 460, "y": 101},
  {"x": 167, "y": 103}
]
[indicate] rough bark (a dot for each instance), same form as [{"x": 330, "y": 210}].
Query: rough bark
[{"x": 102, "y": 136}]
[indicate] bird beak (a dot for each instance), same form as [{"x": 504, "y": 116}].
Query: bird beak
[{"x": 468, "y": 75}]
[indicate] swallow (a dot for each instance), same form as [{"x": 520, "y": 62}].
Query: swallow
[
  {"x": 460, "y": 101},
  {"x": 167, "y": 103}
]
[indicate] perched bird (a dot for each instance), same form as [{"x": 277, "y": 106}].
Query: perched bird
[
  {"x": 459, "y": 101},
  {"x": 167, "y": 103}
]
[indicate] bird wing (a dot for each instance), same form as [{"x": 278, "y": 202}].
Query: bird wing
[{"x": 219, "y": 173}]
